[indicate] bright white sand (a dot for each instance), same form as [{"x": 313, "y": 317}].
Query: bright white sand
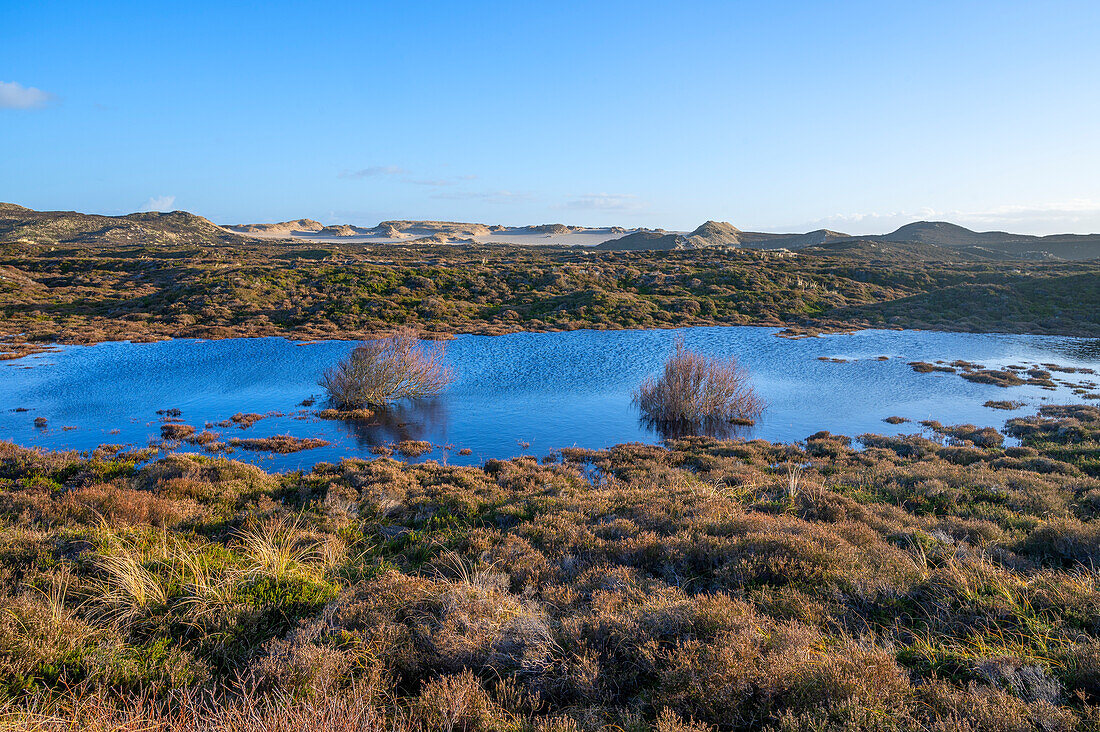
[{"x": 519, "y": 235}]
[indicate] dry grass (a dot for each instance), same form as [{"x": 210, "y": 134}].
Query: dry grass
[
  {"x": 129, "y": 590},
  {"x": 278, "y": 548}
]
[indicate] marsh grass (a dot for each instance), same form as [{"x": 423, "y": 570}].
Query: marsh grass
[
  {"x": 278, "y": 548},
  {"x": 129, "y": 591},
  {"x": 208, "y": 590}
]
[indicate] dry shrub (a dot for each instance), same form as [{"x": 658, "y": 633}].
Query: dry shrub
[
  {"x": 17, "y": 461},
  {"x": 390, "y": 368},
  {"x": 38, "y": 634},
  {"x": 124, "y": 506},
  {"x": 706, "y": 584},
  {"x": 1029, "y": 682},
  {"x": 203, "y": 478},
  {"x": 246, "y": 420},
  {"x": 946, "y": 707},
  {"x": 695, "y": 388},
  {"x": 457, "y": 702},
  {"x": 1065, "y": 541},
  {"x": 717, "y": 660},
  {"x": 670, "y": 721},
  {"x": 415, "y": 626},
  {"x": 964, "y": 433},
  {"x": 307, "y": 662},
  {"x": 782, "y": 550},
  {"x": 206, "y": 437},
  {"x": 94, "y": 503},
  {"x": 358, "y": 709},
  {"x": 1005, "y": 404}
]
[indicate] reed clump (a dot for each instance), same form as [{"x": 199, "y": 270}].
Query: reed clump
[
  {"x": 386, "y": 369},
  {"x": 695, "y": 388}
]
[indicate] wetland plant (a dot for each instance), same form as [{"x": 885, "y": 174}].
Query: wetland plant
[
  {"x": 694, "y": 388},
  {"x": 382, "y": 370}
]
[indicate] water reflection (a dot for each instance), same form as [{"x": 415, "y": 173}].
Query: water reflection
[
  {"x": 411, "y": 419},
  {"x": 717, "y": 428}
]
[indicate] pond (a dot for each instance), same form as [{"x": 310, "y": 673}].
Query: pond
[{"x": 526, "y": 393}]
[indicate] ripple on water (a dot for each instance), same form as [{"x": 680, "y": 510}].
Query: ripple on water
[{"x": 545, "y": 390}]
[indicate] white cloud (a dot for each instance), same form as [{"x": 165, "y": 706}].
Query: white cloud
[
  {"x": 487, "y": 196},
  {"x": 14, "y": 95},
  {"x": 604, "y": 202},
  {"x": 159, "y": 203},
  {"x": 374, "y": 171},
  {"x": 1073, "y": 214},
  {"x": 875, "y": 222},
  {"x": 431, "y": 182},
  {"x": 1077, "y": 215},
  {"x": 378, "y": 171}
]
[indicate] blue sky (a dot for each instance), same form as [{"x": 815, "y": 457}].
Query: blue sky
[{"x": 858, "y": 116}]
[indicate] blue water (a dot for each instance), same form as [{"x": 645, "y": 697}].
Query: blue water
[{"x": 550, "y": 390}]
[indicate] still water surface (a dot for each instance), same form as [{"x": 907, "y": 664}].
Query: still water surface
[{"x": 549, "y": 390}]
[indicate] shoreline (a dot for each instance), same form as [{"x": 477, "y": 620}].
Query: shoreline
[
  {"x": 14, "y": 345},
  {"x": 168, "y": 447}
]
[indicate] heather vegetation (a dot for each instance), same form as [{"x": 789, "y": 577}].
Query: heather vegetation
[
  {"x": 94, "y": 290},
  {"x": 892, "y": 583}
]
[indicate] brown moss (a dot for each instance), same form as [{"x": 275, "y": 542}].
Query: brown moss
[
  {"x": 174, "y": 431},
  {"x": 281, "y": 444}
]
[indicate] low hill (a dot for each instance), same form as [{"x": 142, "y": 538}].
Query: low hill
[
  {"x": 762, "y": 240},
  {"x": 709, "y": 234},
  {"x": 554, "y": 229},
  {"x": 714, "y": 233},
  {"x": 428, "y": 228},
  {"x": 720, "y": 233},
  {"x": 920, "y": 241},
  {"x": 950, "y": 235},
  {"x": 70, "y": 227},
  {"x": 344, "y": 230},
  {"x": 1004, "y": 244},
  {"x": 644, "y": 239},
  {"x": 282, "y": 229}
]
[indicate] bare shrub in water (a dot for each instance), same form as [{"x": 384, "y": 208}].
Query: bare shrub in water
[
  {"x": 695, "y": 388},
  {"x": 390, "y": 368}
]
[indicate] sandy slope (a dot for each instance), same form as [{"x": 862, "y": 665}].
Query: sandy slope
[{"x": 464, "y": 234}]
